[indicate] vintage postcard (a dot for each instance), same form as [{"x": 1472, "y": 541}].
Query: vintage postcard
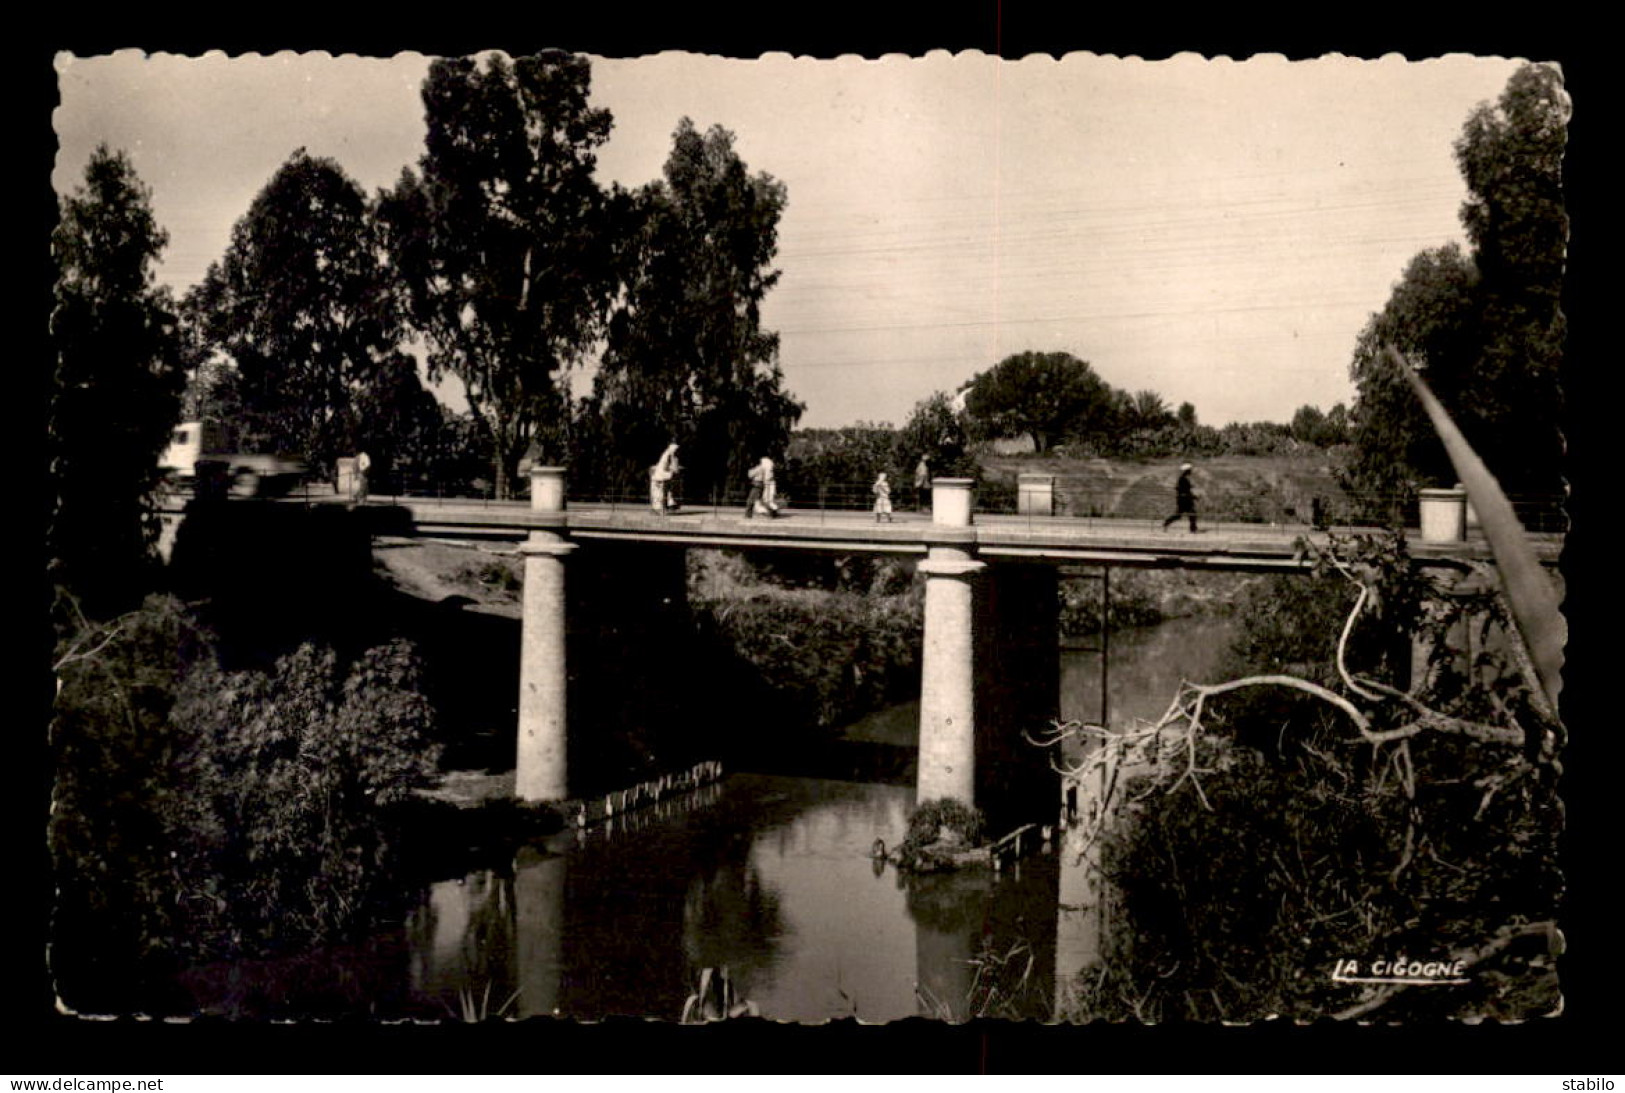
[{"x": 699, "y": 538}]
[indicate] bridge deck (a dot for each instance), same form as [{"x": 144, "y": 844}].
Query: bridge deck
[{"x": 1055, "y": 539}]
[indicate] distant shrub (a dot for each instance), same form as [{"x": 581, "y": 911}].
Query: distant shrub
[{"x": 494, "y": 576}]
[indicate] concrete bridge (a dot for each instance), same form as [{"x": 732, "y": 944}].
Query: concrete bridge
[
  {"x": 990, "y": 651},
  {"x": 990, "y": 642}
]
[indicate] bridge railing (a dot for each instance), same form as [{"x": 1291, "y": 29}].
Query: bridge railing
[
  {"x": 1288, "y": 503},
  {"x": 1085, "y": 497}
]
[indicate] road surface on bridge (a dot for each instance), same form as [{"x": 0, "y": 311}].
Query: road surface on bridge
[{"x": 1053, "y": 539}]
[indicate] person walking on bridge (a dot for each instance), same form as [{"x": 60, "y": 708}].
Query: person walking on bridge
[
  {"x": 660, "y": 479},
  {"x": 882, "y": 492},
  {"x": 760, "y": 475},
  {"x": 922, "y": 483},
  {"x": 1184, "y": 499},
  {"x": 770, "y": 488},
  {"x": 363, "y": 464}
]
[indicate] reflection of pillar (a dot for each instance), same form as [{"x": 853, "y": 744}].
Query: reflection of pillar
[
  {"x": 541, "y": 773},
  {"x": 1078, "y": 922},
  {"x": 949, "y": 913},
  {"x": 538, "y": 895},
  {"x": 944, "y": 972},
  {"x": 947, "y": 763}
]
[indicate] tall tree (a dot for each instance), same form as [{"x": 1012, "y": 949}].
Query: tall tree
[
  {"x": 116, "y": 386},
  {"x": 1511, "y": 157},
  {"x": 1044, "y": 395},
  {"x": 936, "y": 430},
  {"x": 502, "y": 240},
  {"x": 1150, "y": 411},
  {"x": 303, "y": 308},
  {"x": 1484, "y": 329},
  {"x": 687, "y": 356},
  {"x": 1429, "y": 317}
]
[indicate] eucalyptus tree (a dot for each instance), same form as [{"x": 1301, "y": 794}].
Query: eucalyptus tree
[
  {"x": 504, "y": 242},
  {"x": 115, "y": 386},
  {"x": 301, "y": 319},
  {"x": 687, "y": 356},
  {"x": 1485, "y": 327}
]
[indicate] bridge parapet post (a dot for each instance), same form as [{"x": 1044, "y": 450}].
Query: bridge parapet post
[
  {"x": 547, "y": 489},
  {"x": 541, "y": 772},
  {"x": 951, "y": 501}
]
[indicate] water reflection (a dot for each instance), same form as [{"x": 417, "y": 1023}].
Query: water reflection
[
  {"x": 1147, "y": 666},
  {"x": 770, "y": 878}
]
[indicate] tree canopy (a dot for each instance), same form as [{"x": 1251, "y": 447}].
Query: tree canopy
[
  {"x": 1044, "y": 395},
  {"x": 686, "y": 356},
  {"x": 1484, "y": 329},
  {"x": 116, "y": 386},
  {"x": 303, "y": 306},
  {"x": 501, "y": 240},
  {"x": 936, "y": 430}
]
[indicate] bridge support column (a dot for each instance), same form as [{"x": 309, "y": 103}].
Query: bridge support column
[
  {"x": 947, "y": 763},
  {"x": 541, "y": 772},
  {"x": 947, "y": 758}
]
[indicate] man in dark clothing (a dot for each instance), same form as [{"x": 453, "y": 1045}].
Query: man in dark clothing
[{"x": 1184, "y": 498}]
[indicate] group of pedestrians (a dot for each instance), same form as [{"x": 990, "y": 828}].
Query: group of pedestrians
[{"x": 762, "y": 497}]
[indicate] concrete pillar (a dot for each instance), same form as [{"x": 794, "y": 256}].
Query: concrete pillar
[
  {"x": 951, "y": 501},
  {"x": 542, "y": 772},
  {"x": 947, "y": 760},
  {"x": 1035, "y": 494},
  {"x": 1443, "y": 515},
  {"x": 547, "y": 489}
]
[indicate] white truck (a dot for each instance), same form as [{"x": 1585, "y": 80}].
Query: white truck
[{"x": 198, "y": 452}]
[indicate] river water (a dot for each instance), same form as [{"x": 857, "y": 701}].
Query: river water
[{"x": 769, "y": 877}]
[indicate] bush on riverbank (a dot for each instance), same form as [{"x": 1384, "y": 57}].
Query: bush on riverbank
[
  {"x": 939, "y": 832},
  {"x": 1294, "y": 843},
  {"x": 199, "y": 811},
  {"x": 814, "y": 657}
]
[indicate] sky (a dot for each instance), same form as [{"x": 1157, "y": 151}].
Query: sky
[{"x": 1216, "y": 231}]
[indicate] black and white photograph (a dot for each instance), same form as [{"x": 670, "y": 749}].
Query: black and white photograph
[{"x": 786, "y": 540}]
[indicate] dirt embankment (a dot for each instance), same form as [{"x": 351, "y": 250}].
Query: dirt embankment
[
  {"x": 479, "y": 577},
  {"x": 1270, "y": 489}
]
